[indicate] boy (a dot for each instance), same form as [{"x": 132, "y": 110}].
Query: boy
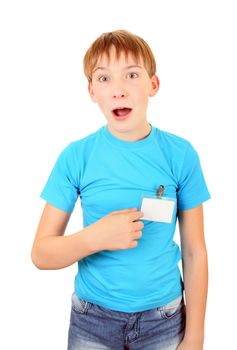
[{"x": 128, "y": 290}]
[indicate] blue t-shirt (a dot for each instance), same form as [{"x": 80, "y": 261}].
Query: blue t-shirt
[{"x": 110, "y": 174}]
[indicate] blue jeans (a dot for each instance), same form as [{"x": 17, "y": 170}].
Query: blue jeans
[{"x": 94, "y": 327}]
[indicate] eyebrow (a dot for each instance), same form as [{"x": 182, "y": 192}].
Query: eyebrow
[{"x": 127, "y": 67}]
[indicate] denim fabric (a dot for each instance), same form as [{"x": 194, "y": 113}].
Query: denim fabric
[{"x": 94, "y": 327}]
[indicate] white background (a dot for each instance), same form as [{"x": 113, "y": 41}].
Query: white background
[{"x": 45, "y": 105}]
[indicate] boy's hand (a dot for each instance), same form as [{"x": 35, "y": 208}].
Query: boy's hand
[{"x": 117, "y": 230}]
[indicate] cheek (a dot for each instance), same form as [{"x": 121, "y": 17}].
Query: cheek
[
  {"x": 102, "y": 99},
  {"x": 140, "y": 90},
  {"x": 142, "y": 95},
  {"x": 100, "y": 96}
]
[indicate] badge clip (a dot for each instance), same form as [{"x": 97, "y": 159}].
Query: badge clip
[{"x": 160, "y": 191}]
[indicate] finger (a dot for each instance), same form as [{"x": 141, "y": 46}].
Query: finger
[
  {"x": 137, "y": 235},
  {"x": 138, "y": 225},
  {"x": 122, "y": 211},
  {"x": 133, "y": 244},
  {"x": 136, "y": 215}
]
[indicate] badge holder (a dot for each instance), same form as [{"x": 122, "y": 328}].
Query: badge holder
[{"x": 158, "y": 208}]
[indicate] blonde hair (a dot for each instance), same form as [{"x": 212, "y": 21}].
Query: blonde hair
[{"x": 123, "y": 41}]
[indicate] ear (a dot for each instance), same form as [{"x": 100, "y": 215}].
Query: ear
[
  {"x": 91, "y": 91},
  {"x": 155, "y": 84}
]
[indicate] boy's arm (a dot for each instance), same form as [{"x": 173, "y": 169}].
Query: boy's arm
[
  {"x": 51, "y": 249},
  {"x": 195, "y": 274}
]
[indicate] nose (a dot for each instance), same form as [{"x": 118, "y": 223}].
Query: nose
[
  {"x": 120, "y": 94},
  {"x": 119, "y": 91}
]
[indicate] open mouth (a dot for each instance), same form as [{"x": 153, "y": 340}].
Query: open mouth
[{"x": 121, "y": 112}]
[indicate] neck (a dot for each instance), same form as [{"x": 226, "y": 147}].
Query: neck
[{"x": 131, "y": 135}]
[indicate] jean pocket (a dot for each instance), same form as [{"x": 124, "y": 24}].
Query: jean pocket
[
  {"x": 171, "y": 309},
  {"x": 79, "y": 305}
]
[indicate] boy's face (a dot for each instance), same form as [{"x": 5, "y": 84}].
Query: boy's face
[{"x": 122, "y": 89}]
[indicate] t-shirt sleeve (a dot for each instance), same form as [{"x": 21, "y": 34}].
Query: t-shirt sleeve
[
  {"x": 192, "y": 188},
  {"x": 62, "y": 187}
]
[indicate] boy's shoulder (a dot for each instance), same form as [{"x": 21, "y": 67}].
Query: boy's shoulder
[
  {"x": 168, "y": 139},
  {"x": 176, "y": 149},
  {"x": 88, "y": 138},
  {"x": 77, "y": 149},
  {"x": 84, "y": 141}
]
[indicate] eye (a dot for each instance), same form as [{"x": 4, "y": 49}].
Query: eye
[
  {"x": 132, "y": 75},
  {"x": 103, "y": 78}
]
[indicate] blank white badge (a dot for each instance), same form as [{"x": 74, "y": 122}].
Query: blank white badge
[{"x": 160, "y": 210}]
